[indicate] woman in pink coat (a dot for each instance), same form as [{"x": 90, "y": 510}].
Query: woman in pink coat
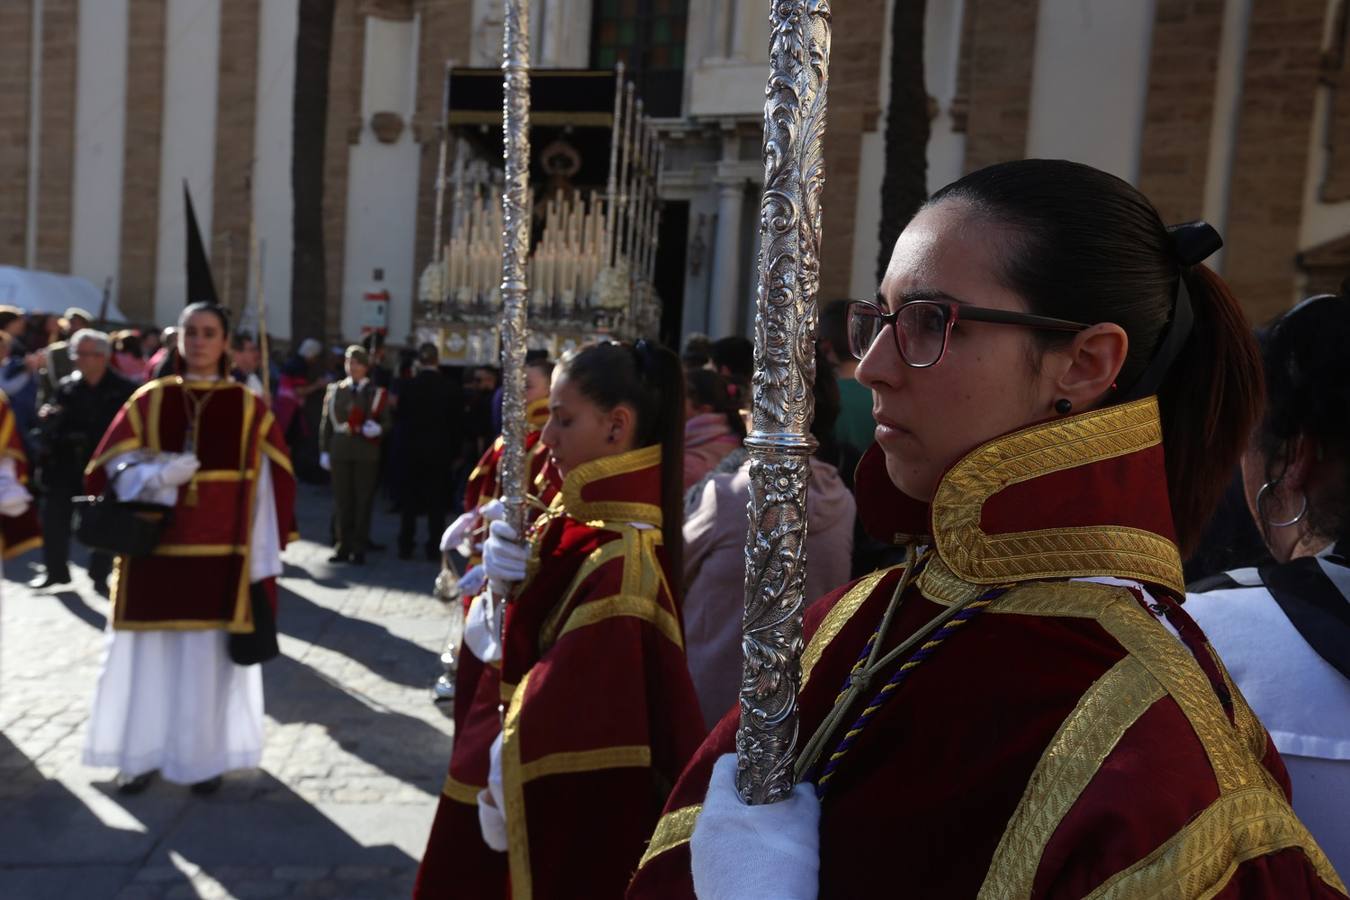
[
  {"x": 712, "y": 423},
  {"x": 714, "y": 552}
]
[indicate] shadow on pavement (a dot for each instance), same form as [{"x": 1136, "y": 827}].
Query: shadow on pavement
[
  {"x": 395, "y": 659},
  {"x": 54, "y": 846},
  {"x": 80, "y": 609},
  {"x": 255, "y": 837},
  {"x": 395, "y": 743},
  {"x": 256, "y": 834}
]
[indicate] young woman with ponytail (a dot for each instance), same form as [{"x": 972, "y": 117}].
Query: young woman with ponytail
[
  {"x": 712, "y": 423},
  {"x": 600, "y": 714},
  {"x": 1023, "y": 708}
]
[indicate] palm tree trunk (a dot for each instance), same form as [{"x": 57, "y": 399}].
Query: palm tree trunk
[
  {"x": 904, "y": 186},
  {"x": 313, "y": 48}
]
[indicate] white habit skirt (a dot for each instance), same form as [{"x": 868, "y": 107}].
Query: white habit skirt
[{"x": 174, "y": 701}]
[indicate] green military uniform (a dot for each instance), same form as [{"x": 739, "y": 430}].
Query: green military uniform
[{"x": 354, "y": 458}]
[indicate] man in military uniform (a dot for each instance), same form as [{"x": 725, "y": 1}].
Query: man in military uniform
[
  {"x": 71, "y": 425},
  {"x": 356, "y": 414}
]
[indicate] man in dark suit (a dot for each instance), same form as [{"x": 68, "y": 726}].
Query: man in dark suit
[
  {"x": 427, "y": 443},
  {"x": 71, "y": 426}
]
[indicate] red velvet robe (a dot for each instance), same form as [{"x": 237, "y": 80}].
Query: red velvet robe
[
  {"x": 1061, "y": 744},
  {"x": 21, "y": 533},
  {"x": 198, "y": 575},
  {"x": 456, "y": 861},
  {"x": 600, "y": 710}
]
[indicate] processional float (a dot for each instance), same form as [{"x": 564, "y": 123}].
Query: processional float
[
  {"x": 780, "y": 443},
  {"x": 594, "y": 222}
]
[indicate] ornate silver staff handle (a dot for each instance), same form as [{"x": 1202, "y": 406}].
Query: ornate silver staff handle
[
  {"x": 515, "y": 253},
  {"x": 780, "y": 444}
]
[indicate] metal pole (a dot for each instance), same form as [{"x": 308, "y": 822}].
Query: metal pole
[
  {"x": 637, "y": 136},
  {"x": 636, "y": 237},
  {"x": 611, "y": 186},
  {"x": 515, "y": 252},
  {"x": 437, "y": 238},
  {"x": 625, "y": 141},
  {"x": 653, "y": 244},
  {"x": 780, "y": 443},
  {"x": 264, "y": 342}
]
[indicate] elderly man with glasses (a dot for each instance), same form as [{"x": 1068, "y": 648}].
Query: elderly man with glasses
[{"x": 72, "y": 424}]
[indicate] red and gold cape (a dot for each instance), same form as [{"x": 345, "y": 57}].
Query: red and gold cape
[
  {"x": 21, "y": 533},
  {"x": 198, "y": 575},
  {"x": 1060, "y": 744},
  {"x": 600, "y": 711}
]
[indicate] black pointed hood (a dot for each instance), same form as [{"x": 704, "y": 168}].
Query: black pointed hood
[{"x": 200, "y": 285}]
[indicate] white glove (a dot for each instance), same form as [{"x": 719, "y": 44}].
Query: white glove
[
  {"x": 325, "y": 461},
  {"x": 482, "y": 628},
  {"x": 472, "y": 581},
  {"x": 14, "y": 497},
  {"x": 493, "y": 511},
  {"x": 371, "y": 429},
  {"x": 458, "y": 531},
  {"x": 504, "y": 556},
  {"x": 492, "y": 823},
  {"x": 491, "y": 803},
  {"x": 177, "y": 470},
  {"x": 740, "y": 851}
]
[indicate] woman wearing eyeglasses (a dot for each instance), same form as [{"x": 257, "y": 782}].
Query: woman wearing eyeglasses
[{"x": 1023, "y": 709}]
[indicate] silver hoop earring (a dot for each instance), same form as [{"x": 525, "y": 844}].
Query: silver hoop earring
[{"x": 1260, "y": 496}]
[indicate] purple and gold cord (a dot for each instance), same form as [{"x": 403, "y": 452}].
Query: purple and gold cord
[{"x": 924, "y": 651}]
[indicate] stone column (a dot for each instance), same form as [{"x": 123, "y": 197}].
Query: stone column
[{"x": 728, "y": 306}]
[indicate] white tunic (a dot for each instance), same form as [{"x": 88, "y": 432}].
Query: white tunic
[
  {"x": 174, "y": 700},
  {"x": 1300, "y": 697}
]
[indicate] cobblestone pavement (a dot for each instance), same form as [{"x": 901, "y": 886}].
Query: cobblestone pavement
[{"x": 354, "y": 759}]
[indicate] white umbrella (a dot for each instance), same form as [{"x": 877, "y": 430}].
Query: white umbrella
[{"x": 48, "y": 292}]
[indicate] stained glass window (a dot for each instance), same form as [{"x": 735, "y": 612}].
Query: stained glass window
[{"x": 648, "y": 36}]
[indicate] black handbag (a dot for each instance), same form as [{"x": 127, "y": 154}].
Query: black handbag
[
  {"x": 120, "y": 527},
  {"x": 259, "y": 645}
]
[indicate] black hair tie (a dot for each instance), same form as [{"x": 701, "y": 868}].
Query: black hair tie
[
  {"x": 642, "y": 354},
  {"x": 1192, "y": 243}
]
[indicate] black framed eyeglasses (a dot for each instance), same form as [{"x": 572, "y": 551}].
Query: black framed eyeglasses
[{"x": 923, "y": 328}]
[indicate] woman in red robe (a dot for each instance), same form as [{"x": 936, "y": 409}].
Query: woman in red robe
[
  {"x": 169, "y": 697},
  {"x": 456, "y": 854},
  {"x": 1023, "y": 709},
  {"x": 20, "y": 530},
  {"x": 600, "y": 712}
]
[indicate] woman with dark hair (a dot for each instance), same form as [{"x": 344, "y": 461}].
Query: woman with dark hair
[
  {"x": 712, "y": 422},
  {"x": 169, "y": 696},
  {"x": 600, "y": 714},
  {"x": 1022, "y": 708},
  {"x": 1283, "y": 629}
]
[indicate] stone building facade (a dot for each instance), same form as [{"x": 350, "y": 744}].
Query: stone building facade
[{"x": 1234, "y": 110}]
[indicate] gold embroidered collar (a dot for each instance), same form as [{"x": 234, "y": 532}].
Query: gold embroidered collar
[
  {"x": 536, "y": 414},
  {"x": 1080, "y": 496},
  {"x": 625, "y": 487}
]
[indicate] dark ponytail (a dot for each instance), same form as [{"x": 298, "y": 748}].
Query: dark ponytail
[
  {"x": 1083, "y": 245},
  {"x": 650, "y": 379},
  {"x": 1210, "y": 401},
  {"x": 704, "y": 387}
]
